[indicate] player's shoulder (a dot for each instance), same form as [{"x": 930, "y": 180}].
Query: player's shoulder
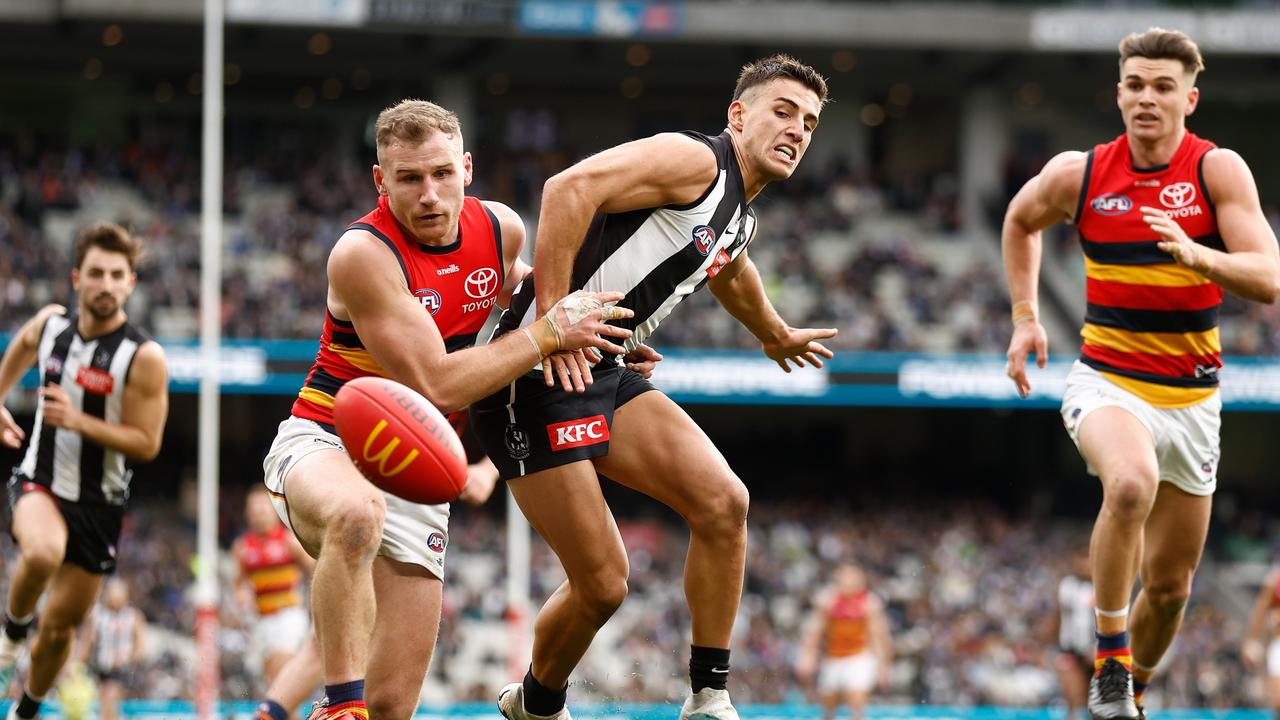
[
  {"x": 1062, "y": 179},
  {"x": 505, "y": 215},
  {"x": 1224, "y": 168},
  {"x": 361, "y": 248}
]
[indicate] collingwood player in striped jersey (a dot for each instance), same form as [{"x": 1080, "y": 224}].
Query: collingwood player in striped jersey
[
  {"x": 103, "y": 404},
  {"x": 657, "y": 219}
]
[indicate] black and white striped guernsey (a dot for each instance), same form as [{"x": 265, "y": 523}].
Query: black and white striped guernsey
[
  {"x": 657, "y": 256},
  {"x": 93, "y": 374}
]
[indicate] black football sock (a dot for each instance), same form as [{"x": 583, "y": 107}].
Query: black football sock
[
  {"x": 540, "y": 699},
  {"x": 708, "y": 668}
]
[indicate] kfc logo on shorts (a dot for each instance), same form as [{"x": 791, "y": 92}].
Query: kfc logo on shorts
[
  {"x": 436, "y": 542},
  {"x": 703, "y": 238},
  {"x": 430, "y": 299},
  {"x": 54, "y": 365},
  {"x": 722, "y": 259},
  {"x": 481, "y": 283},
  {"x": 577, "y": 433},
  {"x": 93, "y": 380}
]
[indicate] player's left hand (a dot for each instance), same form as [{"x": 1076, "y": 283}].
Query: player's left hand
[
  {"x": 800, "y": 346},
  {"x": 10, "y": 434},
  {"x": 57, "y": 408},
  {"x": 642, "y": 360},
  {"x": 1174, "y": 240},
  {"x": 571, "y": 367},
  {"x": 481, "y": 477}
]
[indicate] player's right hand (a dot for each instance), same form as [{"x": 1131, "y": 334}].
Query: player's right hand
[
  {"x": 10, "y": 434},
  {"x": 1028, "y": 337},
  {"x": 1253, "y": 654}
]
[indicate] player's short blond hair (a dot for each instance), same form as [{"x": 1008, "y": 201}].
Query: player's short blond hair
[
  {"x": 1160, "y": 44},
  {"x": 412, "y": 122}
]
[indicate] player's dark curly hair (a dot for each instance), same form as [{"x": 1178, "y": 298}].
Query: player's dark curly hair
[
  {"x": 777, "y": 66},
  {"x": 110, "y": 237}
]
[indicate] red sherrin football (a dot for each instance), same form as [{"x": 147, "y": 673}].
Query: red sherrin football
[{"x": 400, "y": 441}]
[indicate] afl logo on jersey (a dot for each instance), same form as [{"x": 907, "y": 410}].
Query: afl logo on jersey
[
  {"x": 1111, "y": 204},
  {"x": 481, "y": 283},
  {"x": 703, "y": 238},
  {"x": 1177, "y": 195},
  {"x": 430, "y": 299}
]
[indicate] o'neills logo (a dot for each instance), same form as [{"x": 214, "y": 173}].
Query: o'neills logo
[
  {"x": 576, "y": 433},
  {"x": 98, "y": 382},
  {"x": 384, "y": 455}
]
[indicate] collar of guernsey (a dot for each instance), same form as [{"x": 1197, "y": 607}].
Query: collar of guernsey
[
  {"x": 457, "y": 284},
  {"x": 1151, "y": 325}
]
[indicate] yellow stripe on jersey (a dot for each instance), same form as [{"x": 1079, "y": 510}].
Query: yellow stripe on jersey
[
  {"x": 275, "y": 602},
  {"x": 359, "y": 358},
  {"x": 1170, "y": 275},
  {"x": 323, "y": 399},
  {"x": 276, "y": 577},
  {"x": 1198, "y": 343},
  {"x": 1162, "y": 396}
]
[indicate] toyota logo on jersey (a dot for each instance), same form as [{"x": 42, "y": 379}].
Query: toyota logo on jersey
[
  {"x": 703, "y": 238},
  {"x": 1177, "y": 195},
  {"x": 481, "y": 283},
  {"x": 430, "y": 299}
]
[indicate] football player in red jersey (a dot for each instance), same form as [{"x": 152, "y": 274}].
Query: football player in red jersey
[
  {"x": 1261, "y": 647},
  {"x": 1167, "y": 222},
  {"x": 848, "y": 628},
  {"x": 410, "y": 284},
  {"x": 271, "y": 565}
]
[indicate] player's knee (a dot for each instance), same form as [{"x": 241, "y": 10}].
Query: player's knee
[
  {"x": 1130, "y": 493},
  {"x": 1168, "y": 596},
  {"x": 603, "y": 595},
  {"x": 42, "y": 558},
  {"x": 56, "y": 633},
  {"x": 724, "y": 512},
  {"x": 356, "y": 527}
]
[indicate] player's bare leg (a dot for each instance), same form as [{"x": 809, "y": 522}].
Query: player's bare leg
[
  {"x": 72, "y": 593},
  {"x": 337, "y": 516},
  {"x": 408, "y": 597},
  {"x": 565, "y": 506},
  {"x": 1122, "y": 450},
  {"x": 1175, "y": 537},
  {"x": 658, "y": 450},
  {"x": 41, "y": 534}
]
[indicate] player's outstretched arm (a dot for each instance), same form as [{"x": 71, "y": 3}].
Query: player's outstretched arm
[
  {"x": 739, "y": 289},
  {"x": 1044, "y": 200},
  {"x": 367, "y": 284},
  {"x": 665, "y": 169},
  {"x": 1251, "y": 266},
  {"x": 145, "y": 407},
  {"x": 20, "y": 355}
]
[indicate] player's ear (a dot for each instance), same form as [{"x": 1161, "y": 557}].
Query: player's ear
[
  {"x": 466, "y": 169},
  {"x": 736, "y": 110},
  {"x": 1193, "y": 100},
  {"x": 75, "y": 278},
  {"x": 379, "y": 180}
]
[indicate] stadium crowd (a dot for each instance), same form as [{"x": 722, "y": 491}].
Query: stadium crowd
[{"x": 970, "y": 595}]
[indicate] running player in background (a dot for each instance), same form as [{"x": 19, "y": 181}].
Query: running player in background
[
  {"x": 660, "y": 218},
  {"x": 1261, "y": 647},
  {"x": 1167, "y": 221},
  {"x": 848, "y": 630},
  {"x": 1074, "y": 627},
  {"x": 114, "y": 643},
  {"x": 410, "y": 285},
  {"x": 102, "y": 406},
  {"x": 271, "y": 566}
]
